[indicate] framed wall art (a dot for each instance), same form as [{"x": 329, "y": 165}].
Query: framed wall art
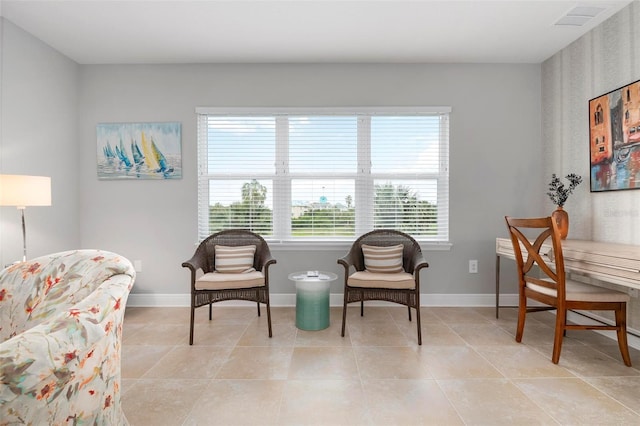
[
  {"x": 139, "y": 150},
  {"x": 614, "y": 133}
]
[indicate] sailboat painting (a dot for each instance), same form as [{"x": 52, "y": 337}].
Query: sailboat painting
[{"x": 139, "y": 151}]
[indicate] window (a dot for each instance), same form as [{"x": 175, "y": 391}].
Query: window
[
  {"x": 598, "y": 115},
  {"x": 300, "y": 175}
]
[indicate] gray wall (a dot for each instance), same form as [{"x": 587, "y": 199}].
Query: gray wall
[
  {"x": 39, "y": 137},
  {"x": 603, "y": 60},
  {"x": 51, "y": 107},
  {"x": 1, "y": 55},
  {"x": 495, "y": 157}
]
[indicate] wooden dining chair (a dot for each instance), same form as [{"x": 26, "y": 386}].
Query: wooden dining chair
[{"x": 541, "y": 277}]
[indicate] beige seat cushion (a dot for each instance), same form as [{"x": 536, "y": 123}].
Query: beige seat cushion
[
  {"x": 581, "y": 292},
  {"x": 219, "y": 281},
  {"x": 400, "y": 280}
]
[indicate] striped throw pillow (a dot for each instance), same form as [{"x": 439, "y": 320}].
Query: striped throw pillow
[
  {"x": 383, "y": 259},
  {"x": 234, "y": 260}
]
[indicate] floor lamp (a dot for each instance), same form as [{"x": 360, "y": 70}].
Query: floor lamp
[{"x": 25, "y": 191}]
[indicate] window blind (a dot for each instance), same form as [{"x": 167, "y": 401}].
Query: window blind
[
  {"x": 236, "y": 157},
  {"x": 324, "y": 175}
]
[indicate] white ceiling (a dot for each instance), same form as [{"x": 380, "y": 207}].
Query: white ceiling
[{"x": 303, "y": 31}]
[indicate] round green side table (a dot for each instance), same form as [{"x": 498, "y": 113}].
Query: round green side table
[{"x": 312, "y": 299}]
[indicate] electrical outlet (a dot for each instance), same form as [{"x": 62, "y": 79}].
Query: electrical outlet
[
  {"x": 473, "y": 266},
  {"x": 633, "y": 292},
  {"x": 137, "y": 265}
]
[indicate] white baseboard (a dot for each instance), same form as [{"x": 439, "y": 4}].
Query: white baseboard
[
  {"x": 289, "y": 299},
  {"x": 158, "y": 300}
]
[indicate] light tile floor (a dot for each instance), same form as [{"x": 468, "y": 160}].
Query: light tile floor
[{"x": 468, "y": 371}]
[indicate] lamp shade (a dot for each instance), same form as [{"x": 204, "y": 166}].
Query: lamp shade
[{"x": 24, "y": 191}]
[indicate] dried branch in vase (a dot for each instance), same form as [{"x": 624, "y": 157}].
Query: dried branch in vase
[{"x": 558, "y": 192}]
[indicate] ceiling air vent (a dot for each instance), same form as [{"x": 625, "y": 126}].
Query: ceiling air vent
[{"x": 579, "y": 16}]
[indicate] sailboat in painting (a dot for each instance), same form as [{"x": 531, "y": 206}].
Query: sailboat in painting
[
  {"x": 149, "y": 156},
  {"x": 122, "y": 155},
  {"x": 138, "y": 158},
  {"x": 162, "y": 161},
  {"x": 109, "y": 155},
  {"x": 154, "y": 158}
]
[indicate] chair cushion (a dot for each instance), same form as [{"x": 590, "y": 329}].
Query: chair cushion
[
  {"x": 383, "y": 259},
  {"x": 234, "y": 260},
  {"x": 401, "y": 280},
  {"x": 220, "y": 281},
  {"x": 581, "y": 292}
]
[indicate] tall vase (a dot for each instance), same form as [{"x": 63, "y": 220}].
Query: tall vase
[{"x": 562, "y": 220}]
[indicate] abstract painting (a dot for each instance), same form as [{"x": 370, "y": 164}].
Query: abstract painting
[
  {"x": 614, "y": 133},
  {"x": 139, "y": 150}
]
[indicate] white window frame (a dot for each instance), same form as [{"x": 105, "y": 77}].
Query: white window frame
[{"x": 364, "y": 199}]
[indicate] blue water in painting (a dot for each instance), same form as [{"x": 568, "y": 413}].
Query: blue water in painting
[
  {"x": 113, "y": 169},
  {"x": 622, "y": 173}
]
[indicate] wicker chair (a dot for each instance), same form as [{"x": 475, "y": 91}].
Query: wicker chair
[
  {"x": 213, "y": 286},
  {"x": 402, "y": 287}
]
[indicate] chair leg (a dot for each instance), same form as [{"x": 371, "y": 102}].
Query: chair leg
[
  {"x": 258, "y": 303},
  {"x": 522, "y": 314},
  {"x": 362, "y": 307},
  {"x": 621, "y": 324},
  {"x": 409, "y": 309},
  {"x": 418, "y": 318},
  {"x": 561, "y": 321},
  {"x": 191, "y": 324},
  {"x": 344, "y": 311},
  {"x": 268, "y": 315},
  {"x": 210, "y": 316}
]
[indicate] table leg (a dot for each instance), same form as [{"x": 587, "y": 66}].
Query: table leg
[{"x": 497, "y": 285}]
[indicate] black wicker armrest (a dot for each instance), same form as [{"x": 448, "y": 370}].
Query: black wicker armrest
[
  {"x": 195, "y": 263},
  {"x": 266, "y": 262},
  {"x": 347, "y": 260},
  {"x": 419, "y": 262}
]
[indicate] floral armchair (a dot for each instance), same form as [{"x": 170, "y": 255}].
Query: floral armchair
[{"x": 61, "y": 319}]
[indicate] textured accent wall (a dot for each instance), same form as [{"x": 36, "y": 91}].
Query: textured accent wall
[{"x": 603, "y": 60}]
